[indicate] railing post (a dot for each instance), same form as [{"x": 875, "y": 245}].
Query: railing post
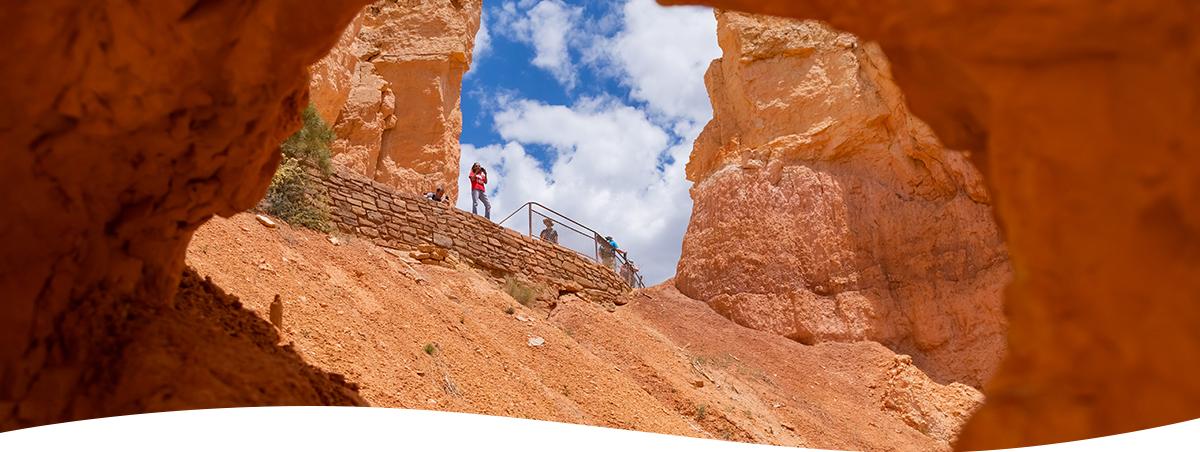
[{"x": 531, "y": 220}]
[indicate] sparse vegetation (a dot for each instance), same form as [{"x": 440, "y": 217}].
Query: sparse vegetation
[
  {"x": 292, "y": 196},
  {"x": 509, "y": 310},
  {"x": 430, "y": 349},
  {"x": 701, "y": 411},
  {"x": 519, "y": 290}
]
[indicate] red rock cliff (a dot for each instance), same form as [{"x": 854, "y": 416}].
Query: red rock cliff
[
  {"x": 391, "y": 90},
  {"x": 824, "y": 211},
  {"x": 1084, "y": 117}
]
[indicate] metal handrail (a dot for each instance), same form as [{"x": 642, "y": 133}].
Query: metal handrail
[
  {"x": 596, "y": 236},
  {"x": 535, "y": 203}
]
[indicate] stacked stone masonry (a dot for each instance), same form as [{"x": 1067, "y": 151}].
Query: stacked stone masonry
[{"x": 372, "y": 210}]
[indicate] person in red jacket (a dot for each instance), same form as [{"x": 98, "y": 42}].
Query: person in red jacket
[{"x": 478, "y": 178}]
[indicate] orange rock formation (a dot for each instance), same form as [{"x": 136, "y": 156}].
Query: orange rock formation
[
  {"x": 125, "y": 126},
  {"x": 391, "y": 87},
  {"x": 1084, "y": 119},
  {"x": 825, "y": 212}
]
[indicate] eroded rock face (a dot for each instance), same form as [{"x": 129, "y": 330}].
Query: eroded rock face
[
  {"x": 825, "y": 212},
  {"x": 125, "y": 126},
  {"x": 1084, "y": 119},
  {"x": 391, "y": 91}
]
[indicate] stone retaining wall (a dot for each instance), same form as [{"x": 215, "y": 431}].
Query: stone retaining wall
[{"x": 374, "y": 211}]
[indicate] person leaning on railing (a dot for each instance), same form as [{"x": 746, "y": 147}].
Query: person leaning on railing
[{"x": 608, "y": 253}]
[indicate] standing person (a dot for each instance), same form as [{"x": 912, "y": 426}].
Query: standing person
[
  {"x": 608, "y": 253},
  {"x": 629, "y": 272},
  {"x": 478, "y": 178},
  {"x": 549, "y": 234}
]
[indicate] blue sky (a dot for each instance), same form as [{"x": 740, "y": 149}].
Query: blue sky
[{"x": 591, "y": 108}]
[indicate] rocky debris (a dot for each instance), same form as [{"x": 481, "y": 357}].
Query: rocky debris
[
  {"x": 334, "y": 240},
  {"x": 536, "y": 341},
  {"x": 935, "y": 410},
  {"x": 390, "y": 89},
  {"x": 824, "y": 211},
  {"x": 434, "y": 255},
  {"x": 266, "y": 221},
  {"x": 426, "y": 251}
]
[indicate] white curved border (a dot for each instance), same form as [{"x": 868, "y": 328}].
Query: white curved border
[{"x": 330, "y": 429}]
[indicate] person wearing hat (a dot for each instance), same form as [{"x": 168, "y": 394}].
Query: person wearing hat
[
  {"x": 629, "y": 273},
  {"x": 608, "y": 251},
  {"x": 549, "y": 234}
]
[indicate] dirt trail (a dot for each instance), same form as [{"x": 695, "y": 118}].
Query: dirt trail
[{"x": 663, "y": 363}]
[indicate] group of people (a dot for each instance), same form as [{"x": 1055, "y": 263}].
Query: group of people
[
  {"x": 608, "y": 247},
  {"x": 609, "y": 250}
]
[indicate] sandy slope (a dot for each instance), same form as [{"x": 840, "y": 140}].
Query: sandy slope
[{"x": 663, "y": 363}]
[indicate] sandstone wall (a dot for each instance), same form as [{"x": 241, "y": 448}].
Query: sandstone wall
[
  {"x": 1083, "y": 118},
  {"x": 824, "y": 211},
  {"x": 394, "y": 219},
  {"x": 391, "y": 87},
  {"x": 125, "y": 125}
]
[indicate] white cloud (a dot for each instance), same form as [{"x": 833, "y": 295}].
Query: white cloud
[
  {"x": 605, "y": 175},
  {"x": 617, "y": 167},
  {"x": 549, "y": 26},
  {"x": 663, "y": 53}
]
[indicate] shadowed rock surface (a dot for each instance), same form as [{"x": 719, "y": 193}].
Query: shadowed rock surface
[{"x": 125, "y": 126}]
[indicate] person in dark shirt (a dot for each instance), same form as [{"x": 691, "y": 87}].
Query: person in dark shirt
[
  {"x": 438, "y": 195},
  {"x": 549, "y": 234}
]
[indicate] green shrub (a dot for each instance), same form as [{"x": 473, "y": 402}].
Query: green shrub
[
  {"x": 429, "y": 349},
  {"x": 292, "y": 196},
  {"x": 520, "y": 291}
]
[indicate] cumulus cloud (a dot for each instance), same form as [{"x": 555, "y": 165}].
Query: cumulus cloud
[
  {"x": 549, "y": 26},
  {"x": 606, "y": 174},
  {"x": 615, "y": 163},
  {"x": 663, "y": 53}
]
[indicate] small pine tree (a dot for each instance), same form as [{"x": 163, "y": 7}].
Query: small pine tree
[{"x": 292, "y": 196}]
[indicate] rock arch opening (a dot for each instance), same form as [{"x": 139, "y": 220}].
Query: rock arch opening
[{"x": 113, "y": 166}]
